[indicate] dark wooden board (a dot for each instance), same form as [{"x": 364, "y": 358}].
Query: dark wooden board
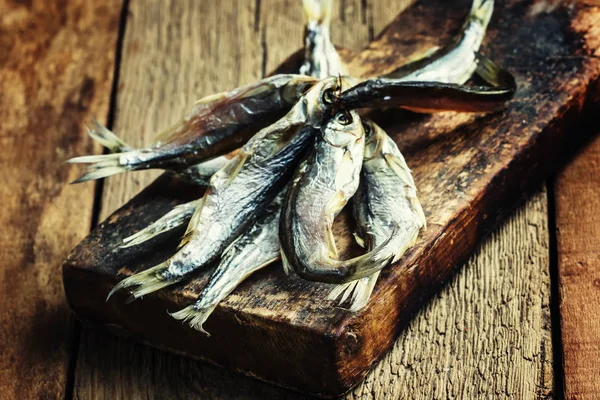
[
  {"x": 469, "y": 170},
  {"x": 56, "y": 67}
]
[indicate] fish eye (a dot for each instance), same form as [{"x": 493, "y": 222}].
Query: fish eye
[
  {"x": 343, "y": 117},
  {"x": 328, "y": 96}
]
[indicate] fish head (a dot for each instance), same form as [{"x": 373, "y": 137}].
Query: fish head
[
  {"x": 318, "y": 102},
  {"x": 344, "y": 129}
]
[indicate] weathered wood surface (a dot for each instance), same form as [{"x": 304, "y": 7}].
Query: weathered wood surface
[
  {"x": 56, "y": 67},
  {"x": 457, "y": 203},
  {"x": 486, "y": 335},
  {"x": 577, "y": 191}
]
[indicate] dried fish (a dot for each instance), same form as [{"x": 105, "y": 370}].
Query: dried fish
[
  {"x": 457, "y": 62},
  {"x": 216, "y": 125},
  {"x": 321, "y": 59},
  {"x": 428, "y": 97},
  {"x": 321, "y": 187},
  {"x": 239, "y": 191},
  {"x": 385, "y": 207},
  {"x": 435, "y": 83},
  {"x": 253, "y": 250},
  {"x": 452, "y": 64}
]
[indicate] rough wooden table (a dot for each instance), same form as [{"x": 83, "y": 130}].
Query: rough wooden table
[{"x": 495, "y": 331}]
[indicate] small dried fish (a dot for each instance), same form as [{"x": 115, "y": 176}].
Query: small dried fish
[
  {"x": 239, "y": 191},
  {"x": 216, "y": 125},
  {"x": 321, "y": 59},
  {"x": 385, "y": 206},
  {"x": 452, "y": 64},
  {"x": 321, "y": 187},
  {"x": 435, "y": 83},
  {"x": 254, "y": 249},
  {"x": 199, "y": 174},
  {"x": 457, "y": 62},
  {"x": 429, "y": 97}
]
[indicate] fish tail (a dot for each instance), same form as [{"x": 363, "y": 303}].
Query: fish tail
[
  {"x": 343, "y": 291},
  {"x": 195, "y": 316},
  {"x": 105, "y": 165},
  {"x": 318, "y": 11},
  {"x": 388, "y": 252},
  {"x": 145, "y": 282},
  {"x": 360, "y": 289},
  {"x": 481, "y": 12},
  {"x": 171, "y": 220},
  {"x": 107, "y": 138}
]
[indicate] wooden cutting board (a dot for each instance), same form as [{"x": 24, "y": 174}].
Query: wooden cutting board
[{"x": 470, "y": 171}]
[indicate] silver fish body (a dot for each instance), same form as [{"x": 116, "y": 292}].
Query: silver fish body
[
  {"x": 256, "y": 248},
  {"x": 321, "y": 187},
  {"x": 216, "y": 125},
  {"x": 386, "y": 209},
  {"x": 239, "y": 191}
]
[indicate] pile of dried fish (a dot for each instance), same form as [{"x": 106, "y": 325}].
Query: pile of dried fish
[{"x": 281, "y": 158}]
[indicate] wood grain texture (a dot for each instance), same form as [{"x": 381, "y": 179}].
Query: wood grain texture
[
  {"x": 577, "y": 191},
  {"x": 460, "y": 206},
  {"x": 56, "y": 66},
  {"x": 486, "y": 335}
]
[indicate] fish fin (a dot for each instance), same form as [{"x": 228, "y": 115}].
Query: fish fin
[
  {"x": 107, "y": 138},
  {"x": 410, "y": 242},
  {"x": 211, "y": 98},
  {"x": 171, "y": 220},
  {"x": 287, "y": 267},
  {"x": 481, "y": 12},
  {"x": 398, "y": 165},
  {"x": 242, "y": 157},
  {"x": 331, "y": 246},
  {"x": 167, "y": 134},
  {"x": 195, "y": 317},
  {"x": 339, "y": 290},
  {"x": 194, "y": 221},
  {"x": 108, "y": 164},
  {"x": 360, "y": 289},
  {"x": 98, "y": 174},
  {"x": 359, "y": 240},
  {"x": 494, "y": 74},
  {"x": 93, "y": 159},
  {"x": 144, "y": 282},
  {"x": 362, "y": 292}
]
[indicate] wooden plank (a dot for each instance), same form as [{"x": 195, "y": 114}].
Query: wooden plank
[
  {"x": 577, "y": 191},
  {"x": 303, "y": 352},
  {"x": 486, "y": 335},
  {"x": 56, "y": 67}
]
